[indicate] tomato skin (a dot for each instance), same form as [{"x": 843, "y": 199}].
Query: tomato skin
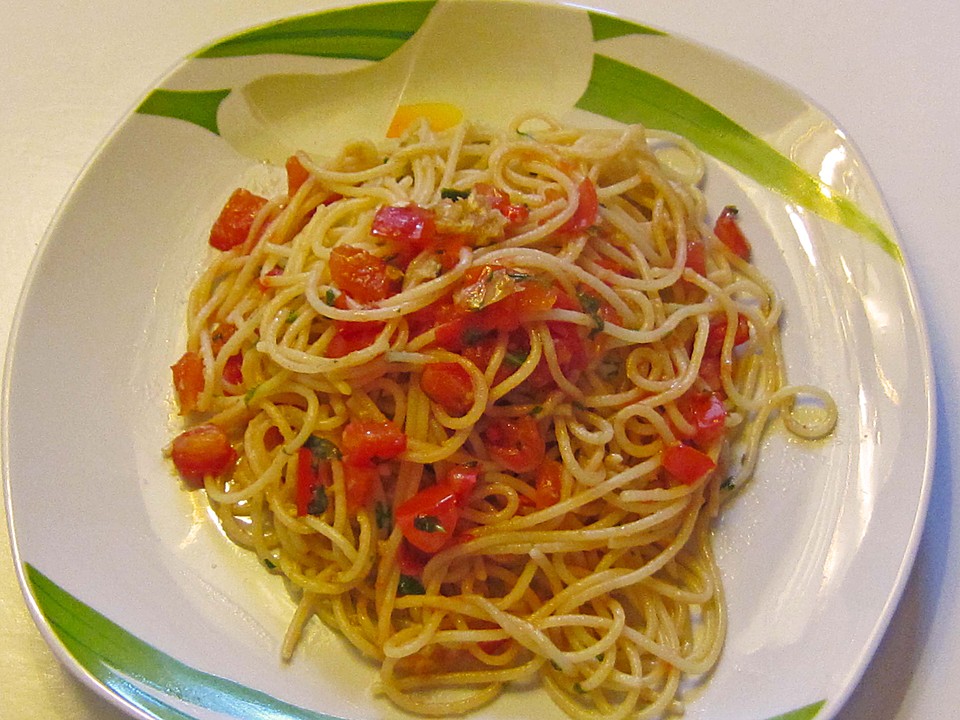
[
  {"x": 405, "y": 223},
  {"x": 587, "y": 208},
  {"x": 429, "y": 519},
  {"x": 233, "y": 369},
  {"x": 411, "y": 560},
  {"x": 448, "y": 385},
  {"x": 360, "y": 274},
  {"x": 515, "y": 443},
  {"x": 729, "y": 233},
  {"x": 696, "y": 256},
  {"x": 352, "y": 336},
  {"x": 297, "y": 175},
  {"x": 462, "y": 479},
  {"x": 369, "y": 441},
  {"x": 263, "y": 282},
  {"x": 359, "y": 478},
  {"x": 202, "y": 450},
  {"x": 188, "y": 381},
  {"x": 686, "y": 463},
  {"x": 510, "y": 312},
  {"x": 496, "y": 198},
  {"x": 707, "y": 413},
  {"x": 718, "y": 331},
  {"x": 571, "y": 355},
  {"x": 232, "y": 226},
  {"x": 549, "y": 484}
]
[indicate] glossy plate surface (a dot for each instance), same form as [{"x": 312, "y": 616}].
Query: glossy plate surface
[{"x": 131, "y": 581}]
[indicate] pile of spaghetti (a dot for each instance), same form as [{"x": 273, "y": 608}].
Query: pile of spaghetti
[{"x": 476, "y": 395}]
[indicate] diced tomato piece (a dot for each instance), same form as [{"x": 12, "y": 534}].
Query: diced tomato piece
[
  {"x": 361, "y": 274},
  {"x": 462, "y": 479},
  {"x": 202, "y": 450},
  {"x": 220, "y": 334},
  {"x": 188, "y": 381},
  {"x": 406, "y": 223},
  {"x": 587, "y": 208},
  {"x": 696, "y": 256},
  {"x": 263, "y": 282},
  {"x": 710, "y": 373},
  {"x": 352, "y": 336},
  {"x": 515, "y": 443},
  {"x": 236, "y": 218},
  {"x": 360, "y": 477},
  {"x": 308, "y": 478},
  {"x": 549, "y": 483},
  {"x": 718, "y": 331},
  {"x": 515, "y": 213},
  {"x": 571, "y": 355},
  {"x": 446, "y": 249},
  {"x": 272, "y": 438},
  {"x": 366, "y": 441},
  {"x": 729, "y": 233},
  {"x": 411, "y": 560},
  {"x": 429, "y": 519},
  {"x": 297, "y": 175},
  {"x": 528, "y": 299},
  {"x": 686, "y": 463},
  {"x": 707, "y": 413},
  {"x": 233, "y": 369},
  {"x": 448, "y": 385}
]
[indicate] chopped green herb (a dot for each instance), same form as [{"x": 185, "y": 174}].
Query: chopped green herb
[
  {"x": 591, "y": 306},
  {"x": 579, "y": 405},
  {"x": 727, "y": 484},
  {"x": 516, "y": 359},
  {"x": 322, "y": 448},
  {"x": 518, "y": 275},
  {"x": 428, "y": 523},
  {"x": 410, "y": 585},
  {"x": 269, "y": 564},
  {"x": 291, "y": 316},
  {"x": 579, "y": 688},
  {"x": 383, "y": 516},
  {"x": 472, "y": 336},
  {"x": 454, "y": 194},
  {"x": 331, "y": 297},
  {"x": 318, "y": 503},
  {"x": 555, "y": 666},
  {"x": 249, "y": 394},
  {"x": 526, "y": 135},
  {"x": 536, "y": 410}
]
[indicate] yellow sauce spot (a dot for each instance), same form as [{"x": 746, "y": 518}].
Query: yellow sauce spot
[{"x": 441, "y": 116}]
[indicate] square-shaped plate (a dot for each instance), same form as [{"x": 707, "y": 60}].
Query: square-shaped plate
[{"x": 129, "y": 578}]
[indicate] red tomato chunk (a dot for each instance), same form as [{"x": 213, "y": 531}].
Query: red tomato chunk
[
  {"x": 202, "y": 450},
  {"x": 686, "y": 463},
  {"x": 188, "y": 381},
  {"x": 368, "y": 441},
  {"x": 236, "y": 219},
  {"x": 448, "y": 385},
  {"x": 729, "y": 233}
]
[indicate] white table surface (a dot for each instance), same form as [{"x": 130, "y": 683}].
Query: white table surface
[{"x": 888, "y": 72}]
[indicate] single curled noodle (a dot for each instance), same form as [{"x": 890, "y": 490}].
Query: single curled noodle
[{"x": 474, "y": 394}]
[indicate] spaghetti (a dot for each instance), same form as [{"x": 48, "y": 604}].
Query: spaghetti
[{"x": 477, "y": 395}]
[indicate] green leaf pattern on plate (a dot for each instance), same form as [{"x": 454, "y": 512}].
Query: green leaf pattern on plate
[
  {"x": 616, "y": 90},
  {"x": 367, "y": 32},
  {"x": 131, "y": 667}
]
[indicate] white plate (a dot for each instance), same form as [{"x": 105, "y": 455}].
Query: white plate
[{"x": 126, "y": 575}]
